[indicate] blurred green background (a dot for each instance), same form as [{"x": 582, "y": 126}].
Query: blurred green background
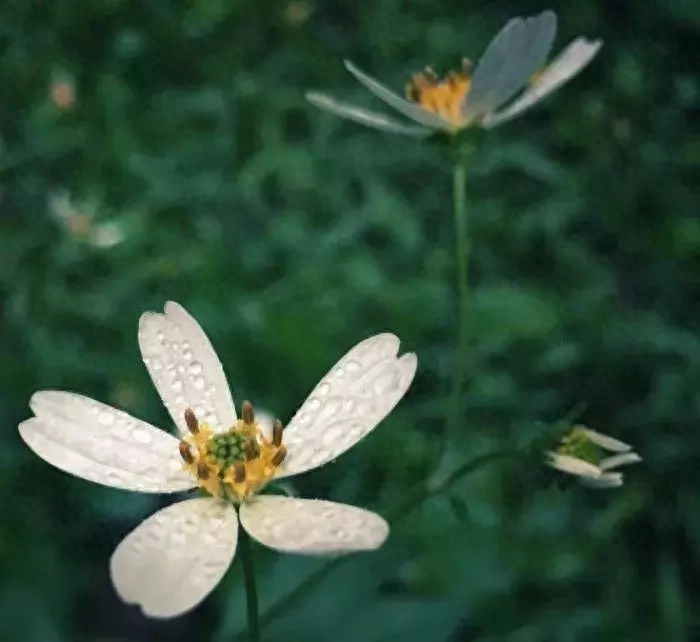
[{"x": 163, "y": 150}]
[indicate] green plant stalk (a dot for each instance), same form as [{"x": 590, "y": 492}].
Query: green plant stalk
[
  {"x": 284, "y": 604},
  {"x": 251, "y": 591},
  {"x": 462, "y": 247}
]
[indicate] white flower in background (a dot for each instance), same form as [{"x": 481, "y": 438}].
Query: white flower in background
[
  {"x": 173, "y": 559},
  {"x": 583, "y": 453},
  {"x": 78, "y": 220},
  {"x": 512, "y": 62}
]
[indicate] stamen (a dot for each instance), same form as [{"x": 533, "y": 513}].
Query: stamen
[
  {"x": 202, "y": 470},
  {"x": 248, "y": 413},
  {"x": 252, "y": 449},
  {"x": 279, "y": 456},
  {"x": 185, "y": 452},
  {"x": 191, "y": 421},
  {"x": 277, "y": 430},
  {"x": 239, "y": 472}
]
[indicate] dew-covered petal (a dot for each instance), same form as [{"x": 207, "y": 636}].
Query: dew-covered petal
[
  {"x": 175, "y": 558},
  {"x": 185, "y": 369},
  {"x": 565, "y": 66},
  {"x": 363, "y": 116},
  {"x": 606, "y": 480},
  {"x": 99, "y": 443},
  {"x": 405, "y": 107},
  {"x": 511, "y": 58},
  {"x": 572, "y": 465},
  {"x": 312, "y": 526},
  {"x": 354, "y": 396},
  {"x": 609, "y": 443},
  {"x": 623, "y": 459}
]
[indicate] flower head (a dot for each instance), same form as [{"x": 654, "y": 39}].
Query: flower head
[
  {"x": 173, "y": 559},
  {"x": 582, "y": 453},
  {"x": 512, "y": 62}
]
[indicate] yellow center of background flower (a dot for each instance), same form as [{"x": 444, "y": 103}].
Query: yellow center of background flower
[{"x": 441, "y": 96}]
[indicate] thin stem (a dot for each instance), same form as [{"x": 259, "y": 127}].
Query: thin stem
[
  {"x": 462, "y": 247},
  {"x": 292, "y": 598},
  {"x": 251, "y": 591}
]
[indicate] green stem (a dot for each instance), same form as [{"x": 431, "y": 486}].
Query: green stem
[
  {"x": 462, "y": 247},
  {"x": 251, "y": 591},
  {"x": 292, "y": 598}
]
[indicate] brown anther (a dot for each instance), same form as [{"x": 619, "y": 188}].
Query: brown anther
[
  {"x": 185, "y": 452},
  {"x": 279, "y": 456},
  {"x": 277, "y": 430},
  {"x": 202, "y": 470},
  {"x": 430, "y": 75},
  {"x": 252, "y": 449},
  {"x": 239, "y": 472},
  {"x": 248, "y": 413},
  {"x": 191, "y": 421}
]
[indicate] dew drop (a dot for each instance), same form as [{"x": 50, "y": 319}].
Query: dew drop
[
  {"x": 352, "y": 366},
  {"x": 156, "y": 364},
  {"x": 195, "y": 368},
  {"x": 198, "y": 382},
  {"x": 181, "y": 368},
  {"x": 339, "y": 371},
  {"x": 106, "y": 418},
  {"x": 303, "y": 418},
  {"x": 324, "y": 388},
  {"x": 142, "y": 436},
  {"x": 177, "y": 385},
  {"x": 175, "y": 346},
  {"x": 185, "y": 345},
  {"x": 160, "y": 336},
  {"x": 314, "y": 403},
  {"x": 187, "y": 355}
]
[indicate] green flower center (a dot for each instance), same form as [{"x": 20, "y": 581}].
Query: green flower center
[
  {"x": 577, "y": 444},
  {"x": 228, "y": 448}
]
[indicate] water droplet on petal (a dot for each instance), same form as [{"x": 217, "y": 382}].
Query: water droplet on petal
[
  {"x": 195, "y": 368},
  {"x": 352, "y": 366},
  {"x": 106, "y": 418},
  {"x": 177, "y": 385},
  {"x": 324, "y": 388},
  {"x": 198, "y": 382},
  {"x": 314, "y": 403},
  {"x": 142, "y": 436}
]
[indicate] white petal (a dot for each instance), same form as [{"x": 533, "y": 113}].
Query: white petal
[
  {"x": 516, "y": 52},
  {"x": 606, "y": 480},
  {"x": 622, "y": 459},
  {"x": 405, "y": 107},
  {"x": 566, "y": 65},
  {"x": 363, "y": 116},
  {"x": 185, "y": 368},
  {"x": 312, "y": 526},
  {"x": 573, "y": 465},
  {"x": 354, "y": 396},
  {"x": 99, "y": 443},
  {"x": 606, "y": 442},
  {"x": 172, "y": 560}
]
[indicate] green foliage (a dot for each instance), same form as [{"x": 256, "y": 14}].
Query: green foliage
[{"x": 291, "y": 235}]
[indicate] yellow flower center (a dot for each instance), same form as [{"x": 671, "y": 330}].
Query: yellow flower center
[
  {"x": 441, "y": 96},
  {"x": 236, "y": 463}
]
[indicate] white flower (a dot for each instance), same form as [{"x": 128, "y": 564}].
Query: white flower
[
  {"x": 172, "y": 560},
  {"x": 588, "y": 444},
  {"x": 513, "y": 60}
]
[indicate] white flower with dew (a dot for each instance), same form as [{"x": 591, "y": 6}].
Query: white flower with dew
[
  {"x": 513, "y": 62},
  {"x": 174, "y": 558},
  {"x": 582, "y": 453}
]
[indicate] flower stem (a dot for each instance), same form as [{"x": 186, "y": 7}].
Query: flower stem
[
  {"x": 251, "y": 591},
  {"x": 412, "y": 502},
  {"x": 462, "y": 247}
]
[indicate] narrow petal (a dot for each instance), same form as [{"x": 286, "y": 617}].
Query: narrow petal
[
  {"x": 564, "y": 67},
  {"x": 405, "y": 107},
  {"x": 363, "y": 116},
  {"x": 99, "y": 443},
  {"x": 623, "y": 459},
  {"x": 354, "y": 396},
  {"x": 174, "y": 559},
  {"x": 185, "y": 369},
  {"x": 606, "y": 480},
  {"x": 606, "y": 442},
  {"x": 312, "y": 526},
  {"x": 573, "y": 465},
  {"x": 511, "y": 58}
]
